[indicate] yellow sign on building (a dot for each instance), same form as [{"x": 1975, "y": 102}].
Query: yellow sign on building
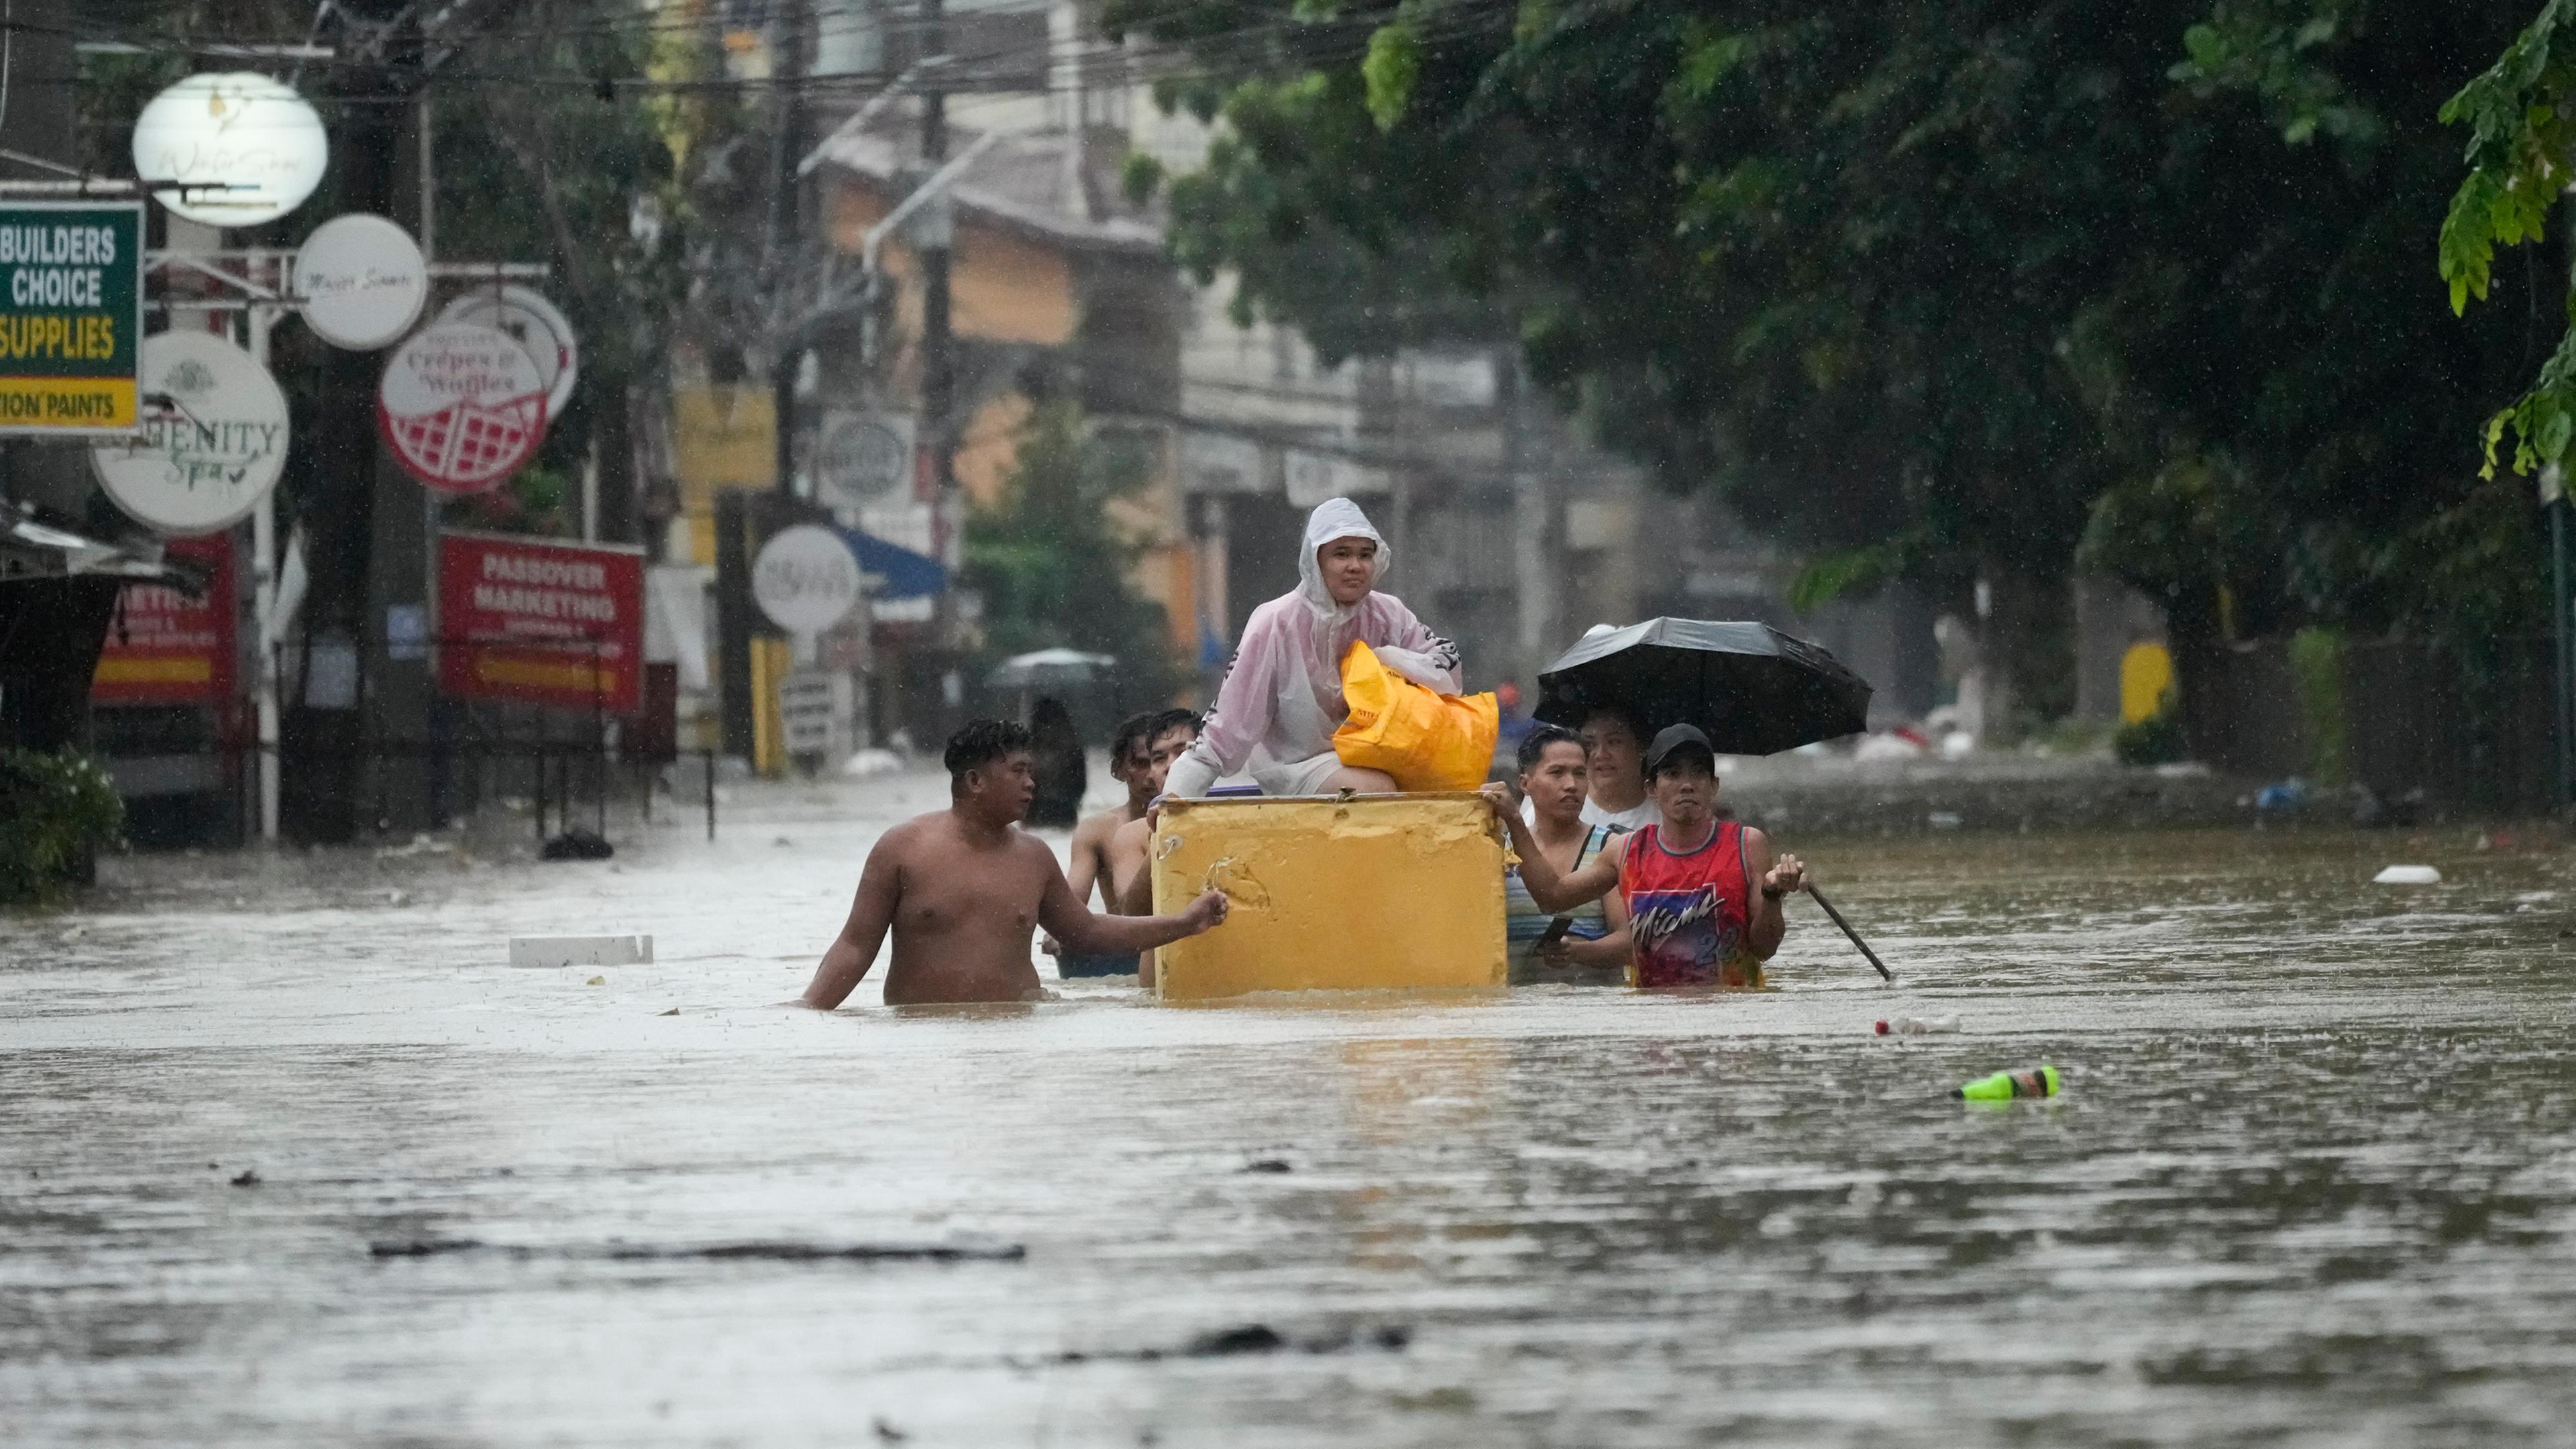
[{"x": 721, "y": 437}]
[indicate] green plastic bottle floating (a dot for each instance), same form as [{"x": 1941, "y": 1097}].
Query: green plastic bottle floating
[{"x": 2039, "y": 1081}]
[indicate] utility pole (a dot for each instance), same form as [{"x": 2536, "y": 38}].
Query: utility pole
[
  {"x": 787, "y": 354},
  {"x": 938, "y": 343},
  {"x": 367, "y": 535}
]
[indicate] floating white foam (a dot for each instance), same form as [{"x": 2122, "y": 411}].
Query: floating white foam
[{"x": 2408, "y": 875}]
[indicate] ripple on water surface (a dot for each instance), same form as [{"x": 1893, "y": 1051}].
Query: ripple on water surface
[{"x": 2314, "y": 1180}]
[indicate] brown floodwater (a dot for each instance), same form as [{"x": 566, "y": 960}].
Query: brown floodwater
[{"x": 2313, "y": 1179}]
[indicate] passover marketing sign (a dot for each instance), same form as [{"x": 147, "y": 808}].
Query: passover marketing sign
[
  {"x": 71, "y": 317},
  {"x": 537, "y": 622}
]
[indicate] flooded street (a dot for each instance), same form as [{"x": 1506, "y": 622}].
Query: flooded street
[{"x": 321, "y": 1168}]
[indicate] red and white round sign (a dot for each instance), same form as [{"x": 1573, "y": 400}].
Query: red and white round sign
[{"x": 462, "y": 406}]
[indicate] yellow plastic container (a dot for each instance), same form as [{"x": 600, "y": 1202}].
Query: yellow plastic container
[{"x": 1333, "y": 895}]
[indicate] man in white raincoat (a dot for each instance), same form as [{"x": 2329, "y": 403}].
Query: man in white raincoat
[{"x": 1282, "y": 698}]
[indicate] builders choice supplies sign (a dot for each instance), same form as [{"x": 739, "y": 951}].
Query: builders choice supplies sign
[
  {"x": 71, "y": 317},
  {"x": 536, "y": 622}
]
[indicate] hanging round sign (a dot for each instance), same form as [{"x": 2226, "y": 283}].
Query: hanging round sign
[
  {"x": 211, "y": 438},
  {"x": 461, "y": 406},
  {"x": 250, "y": 147},
  {"x": 806, "y": 579},
  {"x": 540, "y": 326},
  {"x": 362, "y": 281}
]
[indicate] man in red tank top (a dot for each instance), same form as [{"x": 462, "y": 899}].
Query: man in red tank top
[{"x": 1703, "y": 894}]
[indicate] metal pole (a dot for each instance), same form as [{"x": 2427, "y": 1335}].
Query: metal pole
[
  {"x": 2554, "y": 494},
  {"x": 263, "y": 547},
  {"x": 1855, "y": 935}
]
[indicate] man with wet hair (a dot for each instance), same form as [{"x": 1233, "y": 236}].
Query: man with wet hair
[
  {"x": 1703, "y": 893},
  {"x": 961, "y": 890},
  {"x": 1106, "y": 850},
  {"x": 1129, "y": 749},
  {"x": 1133, "y": 883}
]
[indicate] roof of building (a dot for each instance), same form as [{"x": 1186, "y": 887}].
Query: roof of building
[
  {"x": 1025, "y": 181},
  {"x": 30, "y": 549}
]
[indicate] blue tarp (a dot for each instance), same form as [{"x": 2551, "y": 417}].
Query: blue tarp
[{"x": 894, "y": 572}]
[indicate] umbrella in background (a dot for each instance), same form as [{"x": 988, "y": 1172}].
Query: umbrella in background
[
  {"x": 1753, "y": 689},
  {"x": 1049, "y": 669}
]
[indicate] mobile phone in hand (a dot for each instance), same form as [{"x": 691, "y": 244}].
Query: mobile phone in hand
[{"x": 1556, "y": 930}]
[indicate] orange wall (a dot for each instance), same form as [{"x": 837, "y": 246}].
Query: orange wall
[{"x": 1002, "y": 288}]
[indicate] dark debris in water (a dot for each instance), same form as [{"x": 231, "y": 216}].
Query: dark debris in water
[
  {"x": 1244, "y": 1339},
  {"x": 750, "y": 1251},
  {"x": 248, "y": 1178},
  {"x": 1268, "y": 1164}
]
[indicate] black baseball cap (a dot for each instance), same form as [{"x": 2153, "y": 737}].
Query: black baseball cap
[{"x": 1677, "y": 737}]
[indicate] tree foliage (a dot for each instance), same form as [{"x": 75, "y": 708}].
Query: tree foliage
[
  {"x": 1935, "y": 289},
  {"x": 2519, "y": 149},
  {"x": 1051, "y": 561}
]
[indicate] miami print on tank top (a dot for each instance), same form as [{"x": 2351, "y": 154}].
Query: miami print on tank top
[{"x": 1689, "y": 912}]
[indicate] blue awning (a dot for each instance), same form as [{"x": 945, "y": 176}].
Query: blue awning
[{"x": 894, "y": 572}]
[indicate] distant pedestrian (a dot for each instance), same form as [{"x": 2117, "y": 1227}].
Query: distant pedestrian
[{"x": 1055, "y": 753}]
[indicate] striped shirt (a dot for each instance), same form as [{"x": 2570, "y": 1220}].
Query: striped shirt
[{"x": 1524, "y": 922}]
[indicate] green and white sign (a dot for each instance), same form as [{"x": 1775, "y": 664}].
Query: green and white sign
[{"x": 71, "y": 317}]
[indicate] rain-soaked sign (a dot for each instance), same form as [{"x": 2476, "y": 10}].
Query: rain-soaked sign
[
  {"x": 538, "y": 622},
  {"x": 71, "y": 317},
  {"x": 168, "y": 648}
]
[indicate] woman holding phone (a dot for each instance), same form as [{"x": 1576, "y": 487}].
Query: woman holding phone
[{"x": 1587, "y": 945}]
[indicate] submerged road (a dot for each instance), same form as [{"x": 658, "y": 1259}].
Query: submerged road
[{"x": 289, "y": 1155}]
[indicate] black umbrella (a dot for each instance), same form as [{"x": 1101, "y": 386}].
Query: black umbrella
[{"x": 1753, "y": 689}]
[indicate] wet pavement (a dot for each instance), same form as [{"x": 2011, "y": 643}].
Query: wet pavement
[{"x": 289, "y": 1155}]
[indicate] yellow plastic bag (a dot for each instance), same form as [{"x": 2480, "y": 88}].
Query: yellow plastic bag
[{"x": 1424, "y": 739}]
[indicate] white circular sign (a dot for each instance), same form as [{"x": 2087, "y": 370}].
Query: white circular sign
[
  {"x": 462, "y": 406},
  {"x": 240, "y": 130},
  {"x": 362, "y": 281},
  {"x": 540, "y": 326},
  {"x": 213, "y": 437},
  {"x": 806, "y": 579},
  {"x": 865, "y": 459}
]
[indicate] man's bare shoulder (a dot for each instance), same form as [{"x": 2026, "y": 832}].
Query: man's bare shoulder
[
  {"x": 912, "y": 836},
  {"x": 1132, "y": 834},
  {"x": 1097, "y": 830}
]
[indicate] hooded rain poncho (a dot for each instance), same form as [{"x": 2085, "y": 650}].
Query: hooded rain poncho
[{"x": 1282, "y": 697}]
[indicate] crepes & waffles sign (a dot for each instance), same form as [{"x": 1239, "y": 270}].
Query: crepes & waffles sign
[{"x": 462, "y": 406}]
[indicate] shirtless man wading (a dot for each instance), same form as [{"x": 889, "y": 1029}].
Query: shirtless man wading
[
  {"x": 1109, "y": 848},
  {"x": 962, "y": 889}
]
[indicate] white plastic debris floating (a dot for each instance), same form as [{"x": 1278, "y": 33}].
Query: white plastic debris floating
[
  {"x": 580, "y": 950},
  {"x": 2408, "y": 875}
]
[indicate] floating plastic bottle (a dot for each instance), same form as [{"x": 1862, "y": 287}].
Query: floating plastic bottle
[
  {"x": 1916, "y": 1025},
  {"x": 2040, "y": 1081}
]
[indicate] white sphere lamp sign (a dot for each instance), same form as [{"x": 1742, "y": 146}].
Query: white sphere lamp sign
[
  {"x": 211, "y": 438},
  {"x": 250, "y": 148},
  {"x": 462, "y": 407},
  {"x": 539, "y": 325},
  {"x": 362, "y": 281},
  {"x": 806, "y": 579}
]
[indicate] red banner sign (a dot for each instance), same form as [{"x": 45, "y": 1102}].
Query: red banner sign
[
  {"x": 167, "y": 648},
  {"x": 536, "y": 622}
]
